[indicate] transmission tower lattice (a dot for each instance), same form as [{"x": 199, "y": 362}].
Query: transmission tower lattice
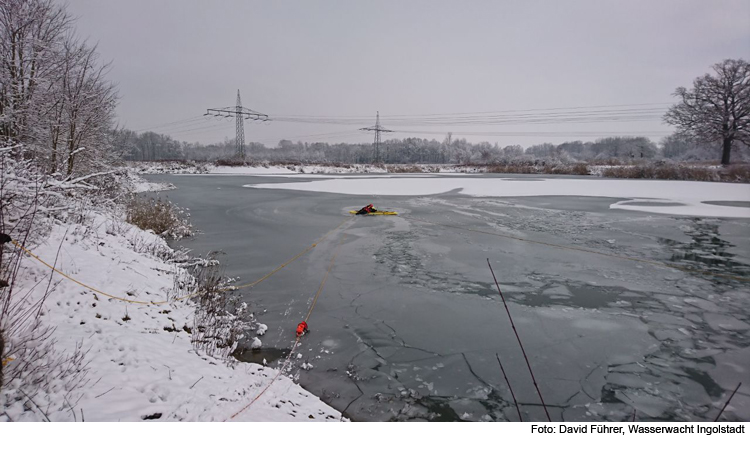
[
  {"x": 241, "y": 114},
  {"x": 377, "y": 129},
  {"x": 240, "y": 135}
]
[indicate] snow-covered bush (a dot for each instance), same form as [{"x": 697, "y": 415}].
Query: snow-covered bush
[
  {"x": 160, "y": 216},
  {"x": 219, "y": 321},
  {"x": 157, "y": 167},
  {"x": 537, "y": 166}
]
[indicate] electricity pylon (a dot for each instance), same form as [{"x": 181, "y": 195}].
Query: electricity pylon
[
  {"x": 240, "y": 113},
  {"x": 377, "y": 129}
]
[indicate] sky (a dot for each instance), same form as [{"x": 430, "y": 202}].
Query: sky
[{"x": 424, "y": 65}]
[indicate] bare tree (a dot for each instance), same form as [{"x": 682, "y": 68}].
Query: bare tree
[
  {"x": 54, "y": 97},
  {"x": 30, "y": 31},
  {"x": 717, "y": 108},
  {"x": 90, "y": 102}
]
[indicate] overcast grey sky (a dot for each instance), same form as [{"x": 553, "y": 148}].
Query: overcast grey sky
[{"x": 173, "y": 59}]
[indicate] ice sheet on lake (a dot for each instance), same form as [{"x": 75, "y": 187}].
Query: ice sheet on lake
[{"x": 691, "y": 194}]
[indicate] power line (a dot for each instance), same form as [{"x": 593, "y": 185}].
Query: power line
[
  {"x": 398, "y": 116},
  {"x": 189, "y": 126},
  {"x": 621, "y": 113},
  {"x": 581, "y": 117},
  {"x": 339, "y": 134},
  {"x": 539, "y": 133},
  {"x": 190, "y": 119},
  {"x": 219, "y": 126},
  {"x": 560, "y": 112},
  {"x": 533, "y": 109}
]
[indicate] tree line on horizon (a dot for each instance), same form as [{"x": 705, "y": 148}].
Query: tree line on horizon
[{"x": 150, "y": 146}]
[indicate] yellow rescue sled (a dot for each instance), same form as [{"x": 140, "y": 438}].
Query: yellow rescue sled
[{"x": 377, "y": 213}]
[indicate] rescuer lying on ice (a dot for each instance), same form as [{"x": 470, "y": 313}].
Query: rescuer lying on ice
[{"x": 367, "y": 209}]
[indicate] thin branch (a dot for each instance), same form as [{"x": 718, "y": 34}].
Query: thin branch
[
  {"x": 196, "y": 382},
  {"x": 105, "y": 392},
  {"x": 37, "y": 406}
]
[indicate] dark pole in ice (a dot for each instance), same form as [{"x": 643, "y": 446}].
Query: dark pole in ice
[
  {"x": 727, "y": 403},
  {"x": 510, "y": 388},
  {"x": 533, "y": 378}
]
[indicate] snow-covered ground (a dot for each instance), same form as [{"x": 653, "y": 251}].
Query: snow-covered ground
[
  {"x": 139, "y": 359},
  {"x": 249, "y": 170},
  {"x": 140, "y": 184},
  {"x": 157, "y": 167},
  {"x": 175, "y": 167},
  {"x": 653, "y": 196}
]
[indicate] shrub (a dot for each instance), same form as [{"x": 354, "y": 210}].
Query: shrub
[
  {"x": 608, "y": 162},
  {"x": 159, "y": 216},
  {"x": 218, "y": 321},
  {"x": 579, "y": 169},
  {"x": 533, "y": 167},
  {"x": 403, "y": 168},
  {"x": 230, "y": 162},
  {"x": 736, "y": 173},
  {"x": 513, "y": 167},
  {"x": 665, "y": 171}
]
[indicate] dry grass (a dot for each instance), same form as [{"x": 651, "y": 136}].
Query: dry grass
[
  {"x": 410, "y": 168},
  {"x": 566, "y": 169},
  {"x": 610, "y": 162},
  {"x": 232, "y": 162},
  {"x": 159, "y": 216},
  {"x": 513, "y": 167},
  {"x": 662, "y": 172},
  {"x": 532, "y": 167},
  {"x": 736, "y": 173}
]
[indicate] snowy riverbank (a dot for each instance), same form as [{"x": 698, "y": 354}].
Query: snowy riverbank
[{"x": 136, "y": 361}]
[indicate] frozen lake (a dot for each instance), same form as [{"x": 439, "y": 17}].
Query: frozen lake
[{"x": 409, "y": 324}]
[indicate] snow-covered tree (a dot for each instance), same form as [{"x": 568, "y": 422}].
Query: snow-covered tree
[
  {"x": 623, "y": 148},
  {"x": 541, "y": 150},
  {"x": 54, "y": 97},
  {"x": 512, "y": 151},
  {"x": 89, "y": 102},
  {"x": 681, "y": 148},
  {"x": 717, "y": 108},
  {"x": 31, "y": 32},
  {"x": 575, "y": 149}
]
